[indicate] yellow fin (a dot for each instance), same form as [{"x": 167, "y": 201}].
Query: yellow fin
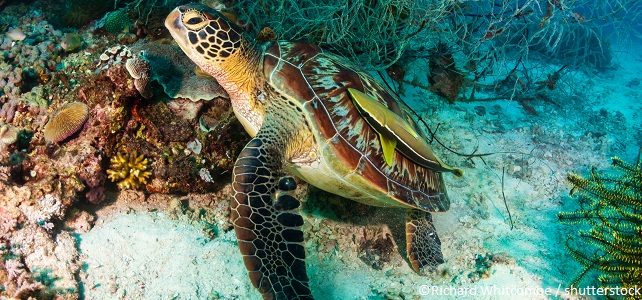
[
  {"x": 393, "y": 128},
  {"x": 388, "y": 146},
  {"x": 379, "y": 112}
]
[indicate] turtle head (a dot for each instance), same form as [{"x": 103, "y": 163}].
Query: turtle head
[{"x": 204, "y": 34}]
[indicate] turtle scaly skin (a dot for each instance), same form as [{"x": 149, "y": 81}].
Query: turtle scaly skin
[{"x": 315, "y": 116}]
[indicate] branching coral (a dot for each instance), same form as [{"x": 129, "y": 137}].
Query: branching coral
[
  {"x": 612, "y": 205},
  {"x": 129, "y": 170}
]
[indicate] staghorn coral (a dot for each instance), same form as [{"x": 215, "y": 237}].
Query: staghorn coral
[
  {"x": 611, "y": 204},
  {"x": 50, "y": 260},
  {"x": 21, "y": 283},
  {"x": 129, "y": 170},
  {"x": 67, "y": 121},
  {"x": 46, "y": 210},
  {"x": 138, "y": 68}
]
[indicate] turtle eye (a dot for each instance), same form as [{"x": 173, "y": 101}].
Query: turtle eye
[{"x": 194, "y": 20}]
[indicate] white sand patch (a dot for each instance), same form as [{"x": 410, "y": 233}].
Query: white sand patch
[{"x": 149, "y": 256}]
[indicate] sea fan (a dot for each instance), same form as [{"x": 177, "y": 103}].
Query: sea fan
[
  {"x": 612, "y": 205},
  {"x": 372, "y": 33}
]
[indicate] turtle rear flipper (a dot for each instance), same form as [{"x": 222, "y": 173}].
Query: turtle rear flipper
[
  {"x": 422, "y": 243},
  {"x": 266, "y": 221}
]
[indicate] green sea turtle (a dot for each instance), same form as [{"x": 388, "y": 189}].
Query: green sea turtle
[{"x": 312, "y": 115}]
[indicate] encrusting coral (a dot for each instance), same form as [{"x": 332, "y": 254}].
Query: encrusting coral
[
  {"x": 612, "y": 205},
  {"x": 129, "y": 170},
  {"x": 138, "y": 68},
  {"x": 67, "y": 121}
]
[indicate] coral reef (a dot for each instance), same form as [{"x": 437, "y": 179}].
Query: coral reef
[
  {"x": 67, "y": 121},
  {"x": 8, "y": 110},
  {"x": 168, "y": 112},
  {"x": 611, "y": 205},
  {"x": 129, "y": 170},
  {"x": 42, "y": 184},
  {"x": 8, "y": 136},
  {"x": 139, "y": 69},
  {"x": 28, "y": 56}
]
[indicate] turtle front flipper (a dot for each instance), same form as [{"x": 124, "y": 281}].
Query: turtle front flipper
[
  {"x": 422, "y": 243},
  {"x": 266, "y": 221}
]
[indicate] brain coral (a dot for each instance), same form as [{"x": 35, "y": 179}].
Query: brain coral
[{"x": 67, "y": 121}]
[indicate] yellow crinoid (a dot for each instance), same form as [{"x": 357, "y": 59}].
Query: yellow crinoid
[
  {"x": 129, "y": 170},
  {"x": 610, "y": 246}
]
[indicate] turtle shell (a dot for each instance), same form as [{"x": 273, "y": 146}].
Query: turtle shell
[{"x": 319, "y": 80}]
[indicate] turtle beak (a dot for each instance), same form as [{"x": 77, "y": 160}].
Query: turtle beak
[
  {"x": 173, "y": 20},
  {"x": 177, "y": 29}
]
